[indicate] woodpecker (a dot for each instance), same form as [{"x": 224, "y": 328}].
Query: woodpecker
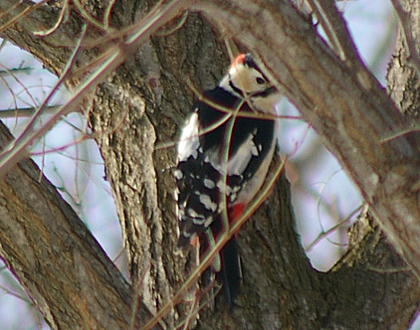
[{"x": 223, "y": 159}]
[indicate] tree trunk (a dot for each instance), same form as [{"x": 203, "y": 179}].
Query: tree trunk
[{"x": 140, "y": 106}]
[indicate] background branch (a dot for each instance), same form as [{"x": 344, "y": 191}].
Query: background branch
[
  {"x": 56, "y": 259},
  {"x": 348, "y": 109}
]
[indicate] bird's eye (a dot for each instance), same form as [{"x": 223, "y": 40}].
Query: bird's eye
[{"x": 260, "y": 81}]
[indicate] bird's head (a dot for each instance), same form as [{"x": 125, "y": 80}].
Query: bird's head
[{"x": 245, "y": 79}]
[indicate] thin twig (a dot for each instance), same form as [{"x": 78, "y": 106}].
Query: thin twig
[
  {"x": 26, "y": 112},
  {"x": 116, "y": 55},
  {"x": 221, "y": 241},
  {"x": 324, "y": 233},
  {"x": 336, "y": 29},
  {"x": 17, "y": 148},
  {"x": 64, "y": 12},
  {"x": 108, "y": 11},
  {"x": 89, "y": 18},
  {"x": 174, "y": 28},
  {"x": 22, "y": 14}
]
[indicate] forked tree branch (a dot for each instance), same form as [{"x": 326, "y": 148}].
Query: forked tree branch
[
  {"x": 345, "y": 104},
  {"x": 52, "y": 253}
]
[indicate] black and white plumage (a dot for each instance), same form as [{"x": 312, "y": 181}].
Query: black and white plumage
[{"x": 223, "y": 158}]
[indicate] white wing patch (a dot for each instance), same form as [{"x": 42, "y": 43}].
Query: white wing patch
[
  {"x": 253, "y": 186},
  {"x": 209, "y": 184},
  {"x": 178, "y": 174},
  {"x": 208, "y": 204},
  {"x": 189, "y": 142},
  {"x": 240, "y": 160},
  {"x": 238, "y": 163}
]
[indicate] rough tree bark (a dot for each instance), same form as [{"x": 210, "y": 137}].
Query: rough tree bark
[{"x": 371, "y": 287}]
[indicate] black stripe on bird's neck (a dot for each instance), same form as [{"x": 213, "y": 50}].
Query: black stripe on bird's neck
[
  {"x": 236, "y": 89},
  {"x": 241, "y": 93},
  {"x": 265, "y": 92}
]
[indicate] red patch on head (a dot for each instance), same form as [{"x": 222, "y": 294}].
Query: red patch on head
[
  {"x": 236, "y": 212},
  {"x": 239, "y": 59}
]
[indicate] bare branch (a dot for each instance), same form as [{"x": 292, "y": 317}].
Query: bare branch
[
  {"x": 352, "y": 123},
  {"x": 74, "y": 263},
  {"x": 114, "y": 57},
  {"x": 336, "y": 29},
  {"x": 26, "y": 112},
  {"x": 410, "y": 42},
  {"x": 339, "y": 102}
]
